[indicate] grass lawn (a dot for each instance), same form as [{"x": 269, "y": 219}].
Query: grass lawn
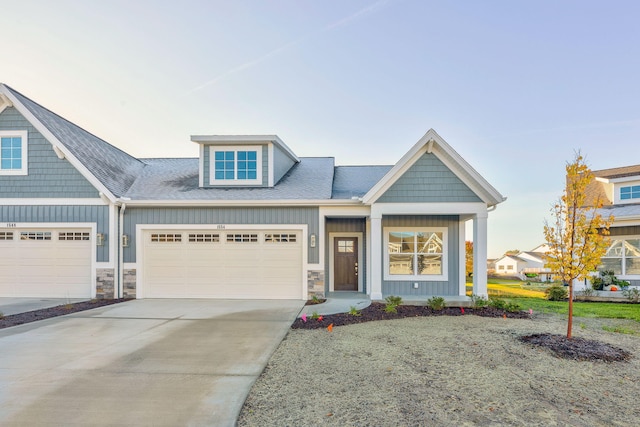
[
  {"x": 582, "y": 309},
  {"x": 506, "y": 288}
]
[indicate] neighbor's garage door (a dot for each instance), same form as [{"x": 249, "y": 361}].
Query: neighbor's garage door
[
  {"x": 264, "y": 264},
  {"x": 45, "y": 263}
]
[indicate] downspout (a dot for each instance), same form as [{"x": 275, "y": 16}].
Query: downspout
[{"x": 123, "y": 207}]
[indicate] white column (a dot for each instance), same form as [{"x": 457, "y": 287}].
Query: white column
[
  {"x": 480, "y": 254},
  {"x": 462, "y": 256},
  {"x": 375, "y": 288}
]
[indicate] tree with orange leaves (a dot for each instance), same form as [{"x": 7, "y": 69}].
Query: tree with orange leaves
[{"x": 577, "y": 235}]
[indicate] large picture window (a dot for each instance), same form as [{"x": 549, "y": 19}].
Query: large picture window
[
  {"x": 623, "y": 257},
  {"x": 416, "y": 254},
  {"x": 13, "y": 152},
  {"x": 240, "y": 165}
]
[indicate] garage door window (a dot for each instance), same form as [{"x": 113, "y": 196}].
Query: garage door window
[
  {"x": 204, "y": 238},
  {"x": 6, "y": 235},
  {"x": 73, "y": 235},
  {"x": 35, "y": 235},
  {"x": 242, "y": 238},
  {"x": 166, "y": 237},
  {"x": 280, "y": 238}
]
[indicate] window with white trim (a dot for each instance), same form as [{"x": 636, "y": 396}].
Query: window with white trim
[
  {"x": 235, "y": 165},
  {"x": 509, "y": 267},
  {"x": 242, "y": 238},
  {"x": 35, "y": 235},
  {"x": 166, "y": 237},
  {"x": 73, "y": 235},
  {"x": 13, "y": 152},
  {"x": 501, "y": 267},
  {"x": 623, "y": 257},
  {"x": 630, "y": 192},
  {"x": 204, "y": 237},
  {"x": 416, "y": 253},
  {"x": 279, "y": 238},
  {"x": 6, "y": 235}
]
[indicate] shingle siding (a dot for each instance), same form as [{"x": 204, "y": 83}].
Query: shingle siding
[
  {"x": 98, "y": 215},
  {"x": 426, "y": 288},
  {"x": 428, "y": 180},
  {"x": 48, "y": 176},
  {"x": 248, "y": 215}
]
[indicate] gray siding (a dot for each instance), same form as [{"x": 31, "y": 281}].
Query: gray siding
[
  {"x": 47, "y": 176},
  {"x": 281, "y": 164},
  {"x": 249, "y": 215},
  {"x": 428, "y": 180},
  {"x": 345, "y": 225},
  {"x": 625, "y": 231},
  {"x": 62, "y": 214},
  {"x": 207, "y": 167},
  {"x": 427, "y": 288}
]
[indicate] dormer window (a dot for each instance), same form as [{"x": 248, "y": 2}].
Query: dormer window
[
  {"x": 630, "y": 192},
  {"x": 236, "y": 165},
  {"x": 13, "y": 152}
]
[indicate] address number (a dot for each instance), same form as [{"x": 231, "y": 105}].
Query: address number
[
  {"x": 11, "y": 225},
  {"x": 221, "y": 227}
]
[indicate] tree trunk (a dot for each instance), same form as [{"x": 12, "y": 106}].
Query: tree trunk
[{"x": 570, "y": 321}]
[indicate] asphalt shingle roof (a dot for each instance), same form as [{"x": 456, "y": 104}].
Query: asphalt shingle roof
[
  {"x": 113, "y": 167},
  {"x": 356, "y": 181},
  {"x": 177, "y": 179}
]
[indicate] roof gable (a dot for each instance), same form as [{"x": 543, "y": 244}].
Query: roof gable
[
  {"x": 109, "y": 169},
  {"x": 432, "y": 143}
]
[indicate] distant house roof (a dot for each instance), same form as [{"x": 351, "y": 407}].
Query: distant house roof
[
  {"x": 113, "y": 167},
  {"x": 356, "y": 181},
  {"x": 177, "y": 179},
  {"x": 620, "y": 172}
]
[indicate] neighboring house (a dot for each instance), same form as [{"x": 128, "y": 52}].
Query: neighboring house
[
  {"x": 248, "y": 218},
  {"x": 528, "y": 264},
  {"x": 618, "y": 189}
]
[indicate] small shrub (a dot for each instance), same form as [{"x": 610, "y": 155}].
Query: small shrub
[
  {"x": 1, "y": 315},
  {"x": 497, "y": 303},
  {"x": 632, "y": 294},
  {"x": 392, "y": 303},
  {"x": 607, "y": 278},
  {"x": 435, "y": 303},
  {"x": 315, "y": 299},
  {"x": 556, "y": 293},
  {"x": 513, "y": 307},
  {"x": 353, "y": 311},
  {"x": 479, "y": 301},
  {"x": 588, "y": 292},
  {"x": 315, "y": 315}
]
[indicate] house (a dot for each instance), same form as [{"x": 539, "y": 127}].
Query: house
[
  {"x": 525, "y": 264},
  {"x": 248, "y": 218},
  {"x": 618, "y": 189}
]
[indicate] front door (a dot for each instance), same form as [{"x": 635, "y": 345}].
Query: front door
[{"x": 345, "y": 265}]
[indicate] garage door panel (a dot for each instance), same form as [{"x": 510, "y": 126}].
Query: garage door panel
[
  {"x": 245, "y": 266},
  {"x": 59, "y": 267}
]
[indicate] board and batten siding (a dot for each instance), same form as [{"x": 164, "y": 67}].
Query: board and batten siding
[
  {"x": 427, "y": 288},
  {"x": 428, "y": 180},
  {"x": 629, "y": 230},
  {"x": 227, "y": 216},
  {"x": 206, "y": 166},
  {"x": 98, "y": 215},
  {"x": 345, "y": 225},
  {"x": 48, "y": 176},
  {"x": 282, "y": 163}
]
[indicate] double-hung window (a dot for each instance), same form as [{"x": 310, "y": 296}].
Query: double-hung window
[
  {"x": 13, "y": 152},
  {"x": 241, "y": 165},
  {"x": 416, "y": 253}
]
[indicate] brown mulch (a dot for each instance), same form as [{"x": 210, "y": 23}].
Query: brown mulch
[
  {"x": 376, "y": 312},
  {"x": 577, "y": 348},
  {"x": 61, "y": 310}
]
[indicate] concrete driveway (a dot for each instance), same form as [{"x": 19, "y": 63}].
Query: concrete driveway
[
  {"x": 15, "y": 305},
  {"x": 143, "y": 362}
]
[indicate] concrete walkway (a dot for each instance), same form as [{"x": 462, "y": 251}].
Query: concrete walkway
[
  {"x": 143, "y": 362},
  {"x": 9, "y": 305},
  {"x": 338, "y": 303}
]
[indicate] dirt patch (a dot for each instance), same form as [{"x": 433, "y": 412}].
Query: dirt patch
[
  {"x": 577, "y": 348},
  {"x": 60, "y": 310}
]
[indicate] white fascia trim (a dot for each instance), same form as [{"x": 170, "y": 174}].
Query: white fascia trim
[
  {"x": 625, "y": 221},
  {"x": 57, "y": 144},
  {"x": 621, "y": 179},
  {"x": 257, "y": 203},
  {"x": 379, "y": 209},
  {"x": 201, "y": 167},
  {"x": 53, "y": 202},
  {"x": 270, "y": 163},
  {"x": 432, "y": 142},
  {"x": 225, "y": 139}
]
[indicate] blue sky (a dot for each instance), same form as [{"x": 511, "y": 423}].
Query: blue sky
[{"x": 514, "y": 86}]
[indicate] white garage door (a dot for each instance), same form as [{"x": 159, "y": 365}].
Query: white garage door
[
  {"x": 45, "y": 263},
  {"x": 263, "y": 264}
]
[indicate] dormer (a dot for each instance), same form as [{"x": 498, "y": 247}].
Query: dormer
[
  {"x": 621, "y": 185},
  {"x": 243, "y": 160}
]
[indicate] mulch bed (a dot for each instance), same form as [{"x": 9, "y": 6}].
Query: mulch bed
[
  {"x": 376, "y": 312},
  {"x": 61, "y": 310},
  {"x": 577, "y": 348}
]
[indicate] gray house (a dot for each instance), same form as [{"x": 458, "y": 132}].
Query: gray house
[{"x": 248, "y": 218}]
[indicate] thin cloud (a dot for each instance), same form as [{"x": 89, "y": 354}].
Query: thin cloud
[{"x": 372, "y": 8}]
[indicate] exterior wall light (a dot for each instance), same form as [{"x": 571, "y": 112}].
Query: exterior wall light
[
  {"x": 125, "y": 241},
  {"x": 100, "y": 238},
  {"x": 312, "y": 241}
]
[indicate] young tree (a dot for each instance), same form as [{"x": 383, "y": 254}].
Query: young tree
[
  {"x": 577, "y": 235},
  {"x": 468, "y": 249}
]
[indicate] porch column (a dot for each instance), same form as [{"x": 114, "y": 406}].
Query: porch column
[
  {"x": 462, "y": 256},
  {"x": 376, "y": 258},
  {"x": 480, "y": 254}
]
